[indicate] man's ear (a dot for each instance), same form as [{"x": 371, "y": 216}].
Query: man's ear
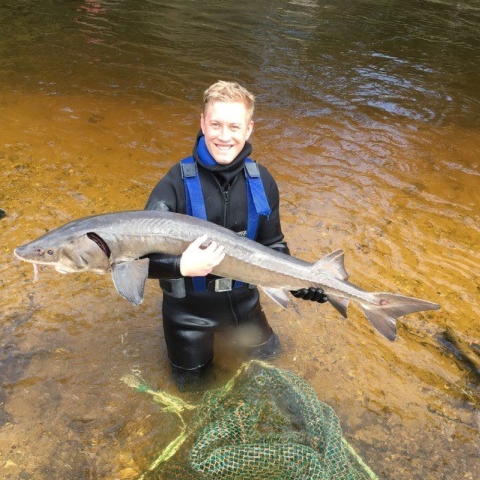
[
  {"x": 250, "y": 129},
  {"x": 202, "y": 123}
]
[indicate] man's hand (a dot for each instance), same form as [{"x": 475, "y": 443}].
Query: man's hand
[
  {"x": 312, "y": 293},
  {"x": 197, "y": 261}
]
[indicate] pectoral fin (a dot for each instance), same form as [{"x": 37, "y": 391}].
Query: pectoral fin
[
  {"x": 129, "y": 279},
  {"x": 278, "y": 295}
]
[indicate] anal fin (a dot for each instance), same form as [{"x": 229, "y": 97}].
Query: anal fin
[{"x": 340, "y": 304}]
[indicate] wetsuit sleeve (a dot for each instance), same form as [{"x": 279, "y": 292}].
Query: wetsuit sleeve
[
  {"x": 168, "y": 195},
  {"x": 281, "y": 247},
  {"x": 270, "y": 229},
  {"x": 163, "y": 266}
]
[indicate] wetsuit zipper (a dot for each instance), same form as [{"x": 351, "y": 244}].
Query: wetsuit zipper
[{"x": 226, "y": 199}]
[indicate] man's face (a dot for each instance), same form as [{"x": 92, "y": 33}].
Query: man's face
[{"x": 226, "y": 128}]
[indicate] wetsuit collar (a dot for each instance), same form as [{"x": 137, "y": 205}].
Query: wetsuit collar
[
  {"x": 205, "y": 159},
  {"x": 203, "y": 153}
]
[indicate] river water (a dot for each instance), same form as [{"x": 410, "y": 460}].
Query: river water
[{"x": 368, "y": 116}]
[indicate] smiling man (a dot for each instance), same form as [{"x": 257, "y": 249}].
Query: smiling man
[
  {"x": 219, "y": 183},
  {"x": 226, "y": 127}
]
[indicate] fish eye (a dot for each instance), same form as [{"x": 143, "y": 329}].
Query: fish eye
[{"x": 50, "y": 252}]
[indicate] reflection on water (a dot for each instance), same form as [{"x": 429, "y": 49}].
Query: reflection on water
[
  {"x": 367, "y": 117},
  {"x": 416, "y": 60}
]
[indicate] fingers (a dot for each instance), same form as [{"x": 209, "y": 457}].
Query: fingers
[
  {"x": 199, "y": 261},
  {"x": 299, "y": 293},
  {"x": 198, "y": 242},
  {"x": 310, "y": 294},
  {"x": 313, "y": 294},
  {"x": 212, "y": 255},
  {"x": 216, "y": 253}
]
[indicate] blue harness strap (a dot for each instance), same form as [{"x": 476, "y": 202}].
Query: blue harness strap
[
  {"x": 195, "y": 204},
  {"x": 256, "y": 196},
  {"x": 193, "y": 189}
]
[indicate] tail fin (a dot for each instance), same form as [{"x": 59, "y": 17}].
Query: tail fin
[{"x": 389, "y": 307}]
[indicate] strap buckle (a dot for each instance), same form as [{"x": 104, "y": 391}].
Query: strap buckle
[
  {"x": 189, "y": 170},
  {"x": 223, "y": 284}
]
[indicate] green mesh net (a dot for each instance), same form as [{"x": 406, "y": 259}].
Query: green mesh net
[{"x": 265, "y": 424}]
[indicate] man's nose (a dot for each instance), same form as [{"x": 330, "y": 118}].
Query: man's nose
[{"x": 225, "y": 134}]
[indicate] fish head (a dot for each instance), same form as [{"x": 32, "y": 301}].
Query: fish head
[{"x": 67, "y": 254}]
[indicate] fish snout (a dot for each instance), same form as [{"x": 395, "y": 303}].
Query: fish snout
[
  {"x": 18, "y": 252},
  {"x": 33, "y": 254}
]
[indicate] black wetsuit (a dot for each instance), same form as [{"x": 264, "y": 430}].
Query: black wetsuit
[{"x": 190, "y": 318}]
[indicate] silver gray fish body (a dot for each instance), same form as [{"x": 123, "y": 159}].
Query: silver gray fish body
[{"x": 116, "y": 242}]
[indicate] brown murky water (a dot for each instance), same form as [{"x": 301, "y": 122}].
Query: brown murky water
[{"x": 368, "y": 117}]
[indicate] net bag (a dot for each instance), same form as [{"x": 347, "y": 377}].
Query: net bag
[{"x": 264, "y": 424}]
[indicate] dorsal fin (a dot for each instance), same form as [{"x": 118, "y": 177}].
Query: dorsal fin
[{"x": 334, "y": 263}]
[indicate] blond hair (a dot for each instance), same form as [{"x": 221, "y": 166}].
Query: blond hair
[{"x": 228, "y": 92}]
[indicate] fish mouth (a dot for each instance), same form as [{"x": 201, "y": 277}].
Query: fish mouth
[{"x": 63, "y": 270}]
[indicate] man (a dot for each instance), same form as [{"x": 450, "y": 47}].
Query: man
[{"x": 221, "y": 184}]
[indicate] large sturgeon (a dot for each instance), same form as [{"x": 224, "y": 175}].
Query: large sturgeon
[{"x": 117, "y": 241}]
